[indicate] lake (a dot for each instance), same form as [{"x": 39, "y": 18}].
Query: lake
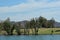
[{"x": 31, "y": 37}]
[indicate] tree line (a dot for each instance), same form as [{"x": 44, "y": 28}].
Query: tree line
[{"x": 35, "y": 23}]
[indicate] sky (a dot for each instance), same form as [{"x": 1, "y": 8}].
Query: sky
[{"x": 19, "y": 10}]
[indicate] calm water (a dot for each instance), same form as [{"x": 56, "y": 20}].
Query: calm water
[{"x": 31, "y": 37}]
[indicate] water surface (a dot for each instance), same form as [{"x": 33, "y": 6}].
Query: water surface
[{"x": 31, "y": 37}]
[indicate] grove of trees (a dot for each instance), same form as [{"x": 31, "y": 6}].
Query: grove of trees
[{"x": 35, "y": 23}]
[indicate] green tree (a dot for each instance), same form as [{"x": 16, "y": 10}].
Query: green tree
[
  {"x": 42, "y": 21},
  {"x": 17, "y": 27},
  {"x": 51, "y": 23},
  {"x": 33, "y": 24},
  {"x": 27, "y": 26},
  {"x": 1, "y": 28},
  {"x": 8, "y": 26}
]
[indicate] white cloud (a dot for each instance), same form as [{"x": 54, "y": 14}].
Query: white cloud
[
  {"x": 33, "y": 9},
  {"x": 45, "y": 13},
  {"x": 29, "y": 6}
]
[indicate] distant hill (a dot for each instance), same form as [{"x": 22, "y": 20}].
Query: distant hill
[{"x": 56, "y": 24}]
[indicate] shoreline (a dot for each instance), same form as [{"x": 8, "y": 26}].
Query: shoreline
[{"x": 41, "y": 31}]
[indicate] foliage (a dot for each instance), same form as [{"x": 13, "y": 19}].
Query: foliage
[
  {"x": 35, "y": 23},
  {"x": 7, "y": 26}
]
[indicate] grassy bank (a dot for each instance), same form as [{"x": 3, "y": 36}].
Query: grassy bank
[
  {"x": 49, "y": 31},
  {"x": 32, "y": 31}
]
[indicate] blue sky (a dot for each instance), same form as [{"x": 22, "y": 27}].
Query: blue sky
[{"x": 19, "y": 10}]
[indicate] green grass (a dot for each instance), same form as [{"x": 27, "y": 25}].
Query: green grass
[
  {"x": 40, "y": 31},
  {"x": 48, "y": 31},
  {"x": 44, "y": 31}
]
